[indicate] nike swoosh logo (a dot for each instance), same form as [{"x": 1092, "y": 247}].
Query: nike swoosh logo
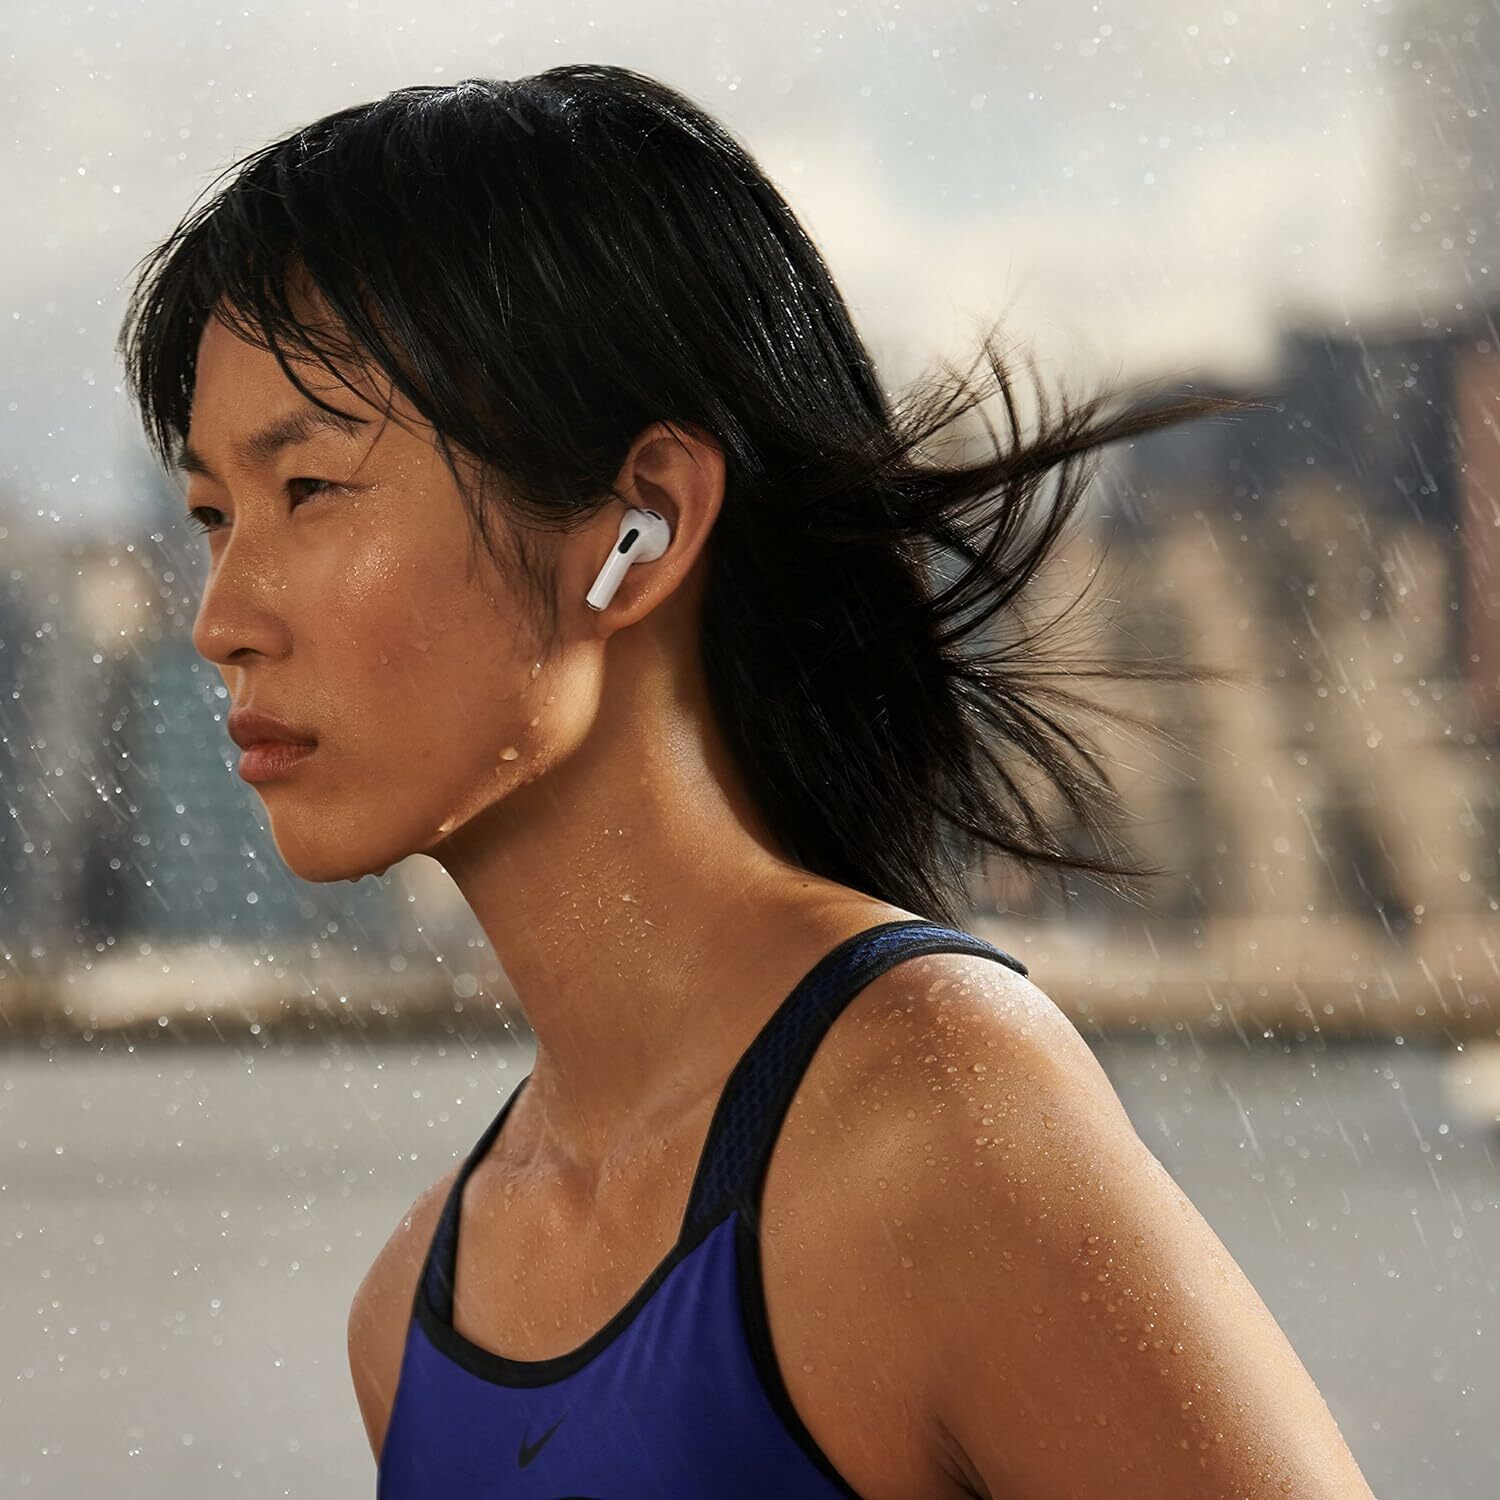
[{"x": 530, "y": 1450}]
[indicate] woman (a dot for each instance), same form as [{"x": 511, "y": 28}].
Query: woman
[{"x": 809, "y": 1192}]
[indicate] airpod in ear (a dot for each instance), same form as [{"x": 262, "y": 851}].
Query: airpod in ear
[{"x": 644, "y": 535}]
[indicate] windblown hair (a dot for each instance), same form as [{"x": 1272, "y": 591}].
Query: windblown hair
[{"x": 544, "y": 266}]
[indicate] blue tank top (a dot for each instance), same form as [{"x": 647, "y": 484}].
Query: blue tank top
[{"x": 678, "y": 1396}]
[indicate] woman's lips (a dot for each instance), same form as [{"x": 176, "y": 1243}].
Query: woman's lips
[{"x": 266, "y": 760}]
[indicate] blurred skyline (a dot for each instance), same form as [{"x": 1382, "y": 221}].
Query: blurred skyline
[
  {"x": 227, "y": 1083},
  {"x": 1128, "y": 233},
  {"x": 1132, "y": 190}
]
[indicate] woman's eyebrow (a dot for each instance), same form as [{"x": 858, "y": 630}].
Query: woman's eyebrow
[{"x": 284, "y": 432}]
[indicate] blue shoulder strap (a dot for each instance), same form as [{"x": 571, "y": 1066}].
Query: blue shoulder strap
[{"x": 742, "y": 1136}]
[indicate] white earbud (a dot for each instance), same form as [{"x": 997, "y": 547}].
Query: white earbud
[{"x": 644, "y": 535}]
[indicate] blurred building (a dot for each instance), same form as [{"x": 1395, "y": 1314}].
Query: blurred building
[
  {"x": 1331, "y": 821},
  {"x": 1332, "y": 818},
  {"x": 127, "y": 829},
  {"x": 1441, "y": 75},
  {"x": 29, "y": 883}
]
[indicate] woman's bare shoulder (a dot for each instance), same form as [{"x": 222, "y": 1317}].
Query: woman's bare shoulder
[{"x": 1072, "y": 1321}]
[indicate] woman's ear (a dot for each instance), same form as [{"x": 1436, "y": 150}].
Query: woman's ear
[{"x": 677, "y": 470}]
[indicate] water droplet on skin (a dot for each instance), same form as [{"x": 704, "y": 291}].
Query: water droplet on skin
[
  {"x": 535, "y": 671},
  {"x": 979, "y": 1068},
  {"x": 1048, "y": 1121},
  {"x": 509, "y": 753},
  {"x": 535, "y": 722}
]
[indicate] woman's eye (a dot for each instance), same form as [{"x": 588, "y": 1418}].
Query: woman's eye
[{"x": 318, "y": 485}]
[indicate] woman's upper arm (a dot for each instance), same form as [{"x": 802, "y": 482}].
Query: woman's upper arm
[
  {"x": 1091, "y": 1336},
  {"x": 381, "y": 1308}
]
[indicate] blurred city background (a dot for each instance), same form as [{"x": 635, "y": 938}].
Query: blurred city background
[{"x": 222, "y": 1086}]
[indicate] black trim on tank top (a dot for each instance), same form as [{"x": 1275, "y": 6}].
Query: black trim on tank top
[
  {"x": 753, "y": 1314},
  {"x": 435, "y": 1283},
  {"x": 699, "y": 1219},
  {"x": 440, "y": 1264},
  {"x": 499, "y": 1369}
]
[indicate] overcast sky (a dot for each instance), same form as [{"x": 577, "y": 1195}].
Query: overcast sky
[{"x": 1142, "y": 185}]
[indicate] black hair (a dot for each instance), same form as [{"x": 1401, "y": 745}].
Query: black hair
[{"x": 543, "y": 267}]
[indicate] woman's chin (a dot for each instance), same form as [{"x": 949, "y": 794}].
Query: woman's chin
[{"x": 324, "y": 860}]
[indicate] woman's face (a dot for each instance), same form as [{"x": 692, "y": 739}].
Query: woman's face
[{"x": 339, "y": 599}]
